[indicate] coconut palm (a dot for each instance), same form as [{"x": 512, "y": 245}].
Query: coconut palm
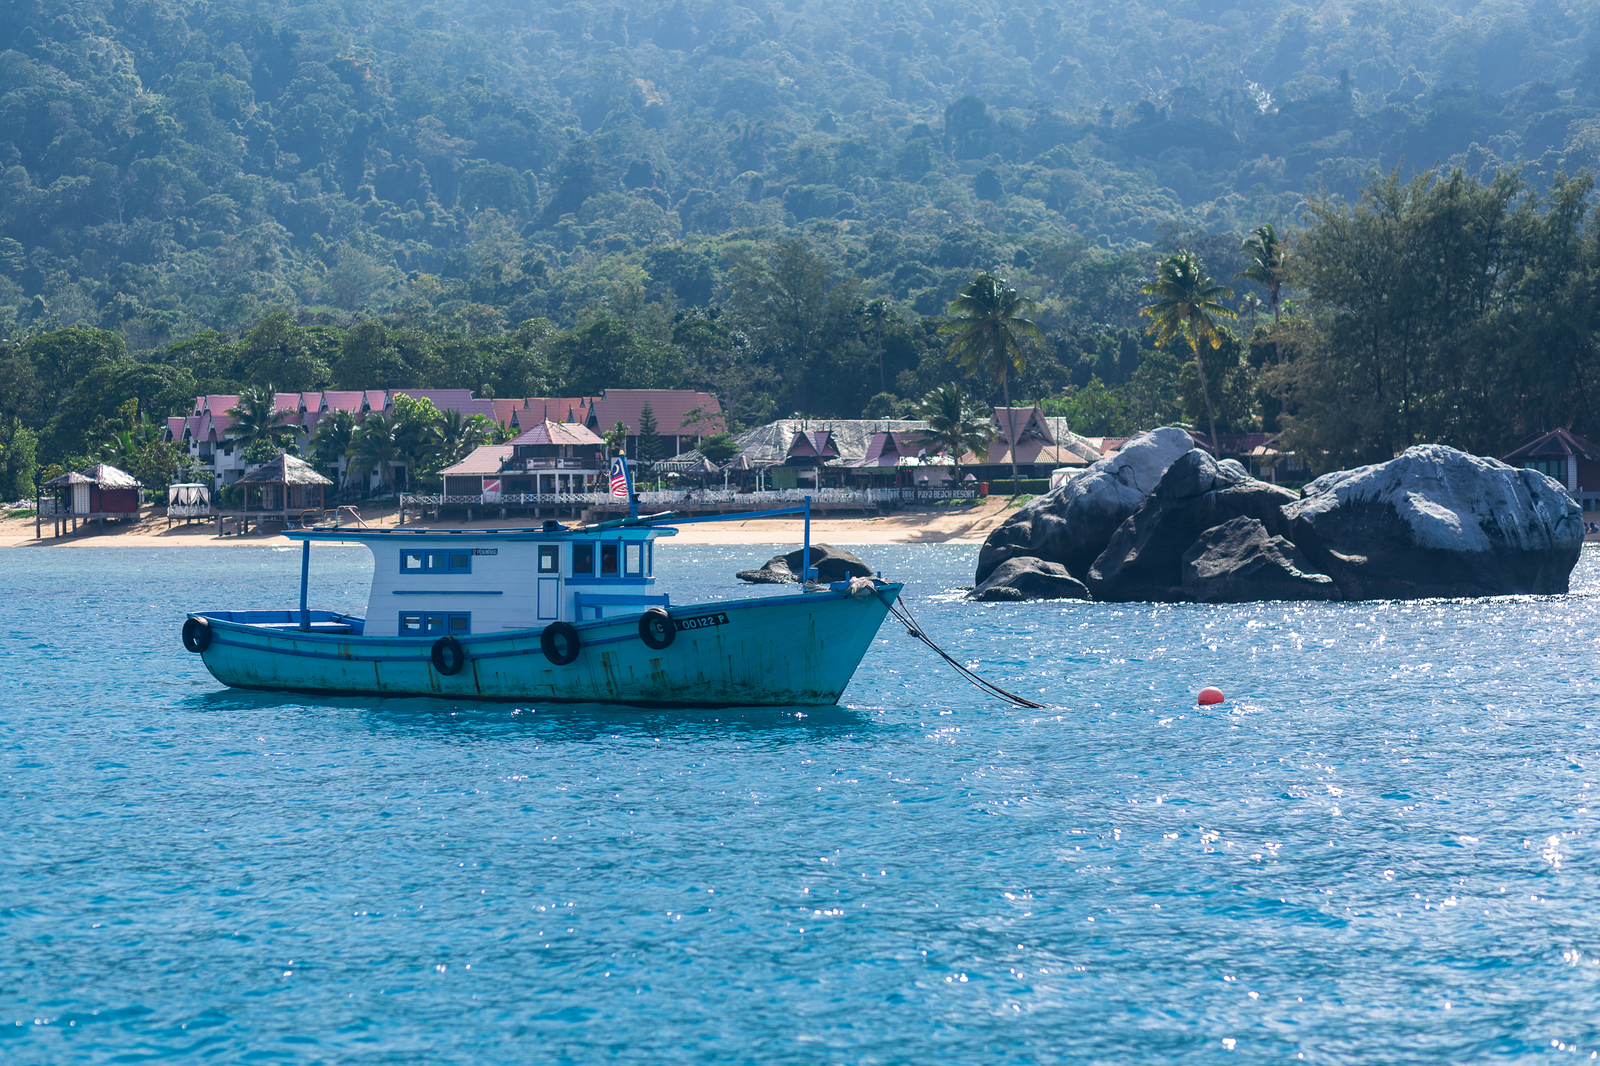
[
  {"x": 1268, "y": 268},
  {"x": 377, "y": 445},
  {"x": 956, "y": 423},
  {"x": 877, "y": 312},
  {"x": 332, "y": 438},
  {"x": 990, "y": 317},
  {"x": 256, "y": 416},
  {"x": 1188, "y": 307},
  {"x": 454, "y": 436}
]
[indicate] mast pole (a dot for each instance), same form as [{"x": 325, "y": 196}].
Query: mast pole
[
  {"x": 305, "y": 584},
  {"x": 805, "y": 550}
]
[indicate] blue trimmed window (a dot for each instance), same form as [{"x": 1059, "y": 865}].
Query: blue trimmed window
[
  {"x": 418, "y": 562},
  {"x": 582, "y": 560},
  {"x": 434, "y": 624}
]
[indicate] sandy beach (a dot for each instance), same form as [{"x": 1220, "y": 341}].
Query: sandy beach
[{"x": 955, "y": 526}]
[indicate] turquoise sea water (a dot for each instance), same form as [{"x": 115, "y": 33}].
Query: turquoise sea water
[{"x": 1381, "y": 849}]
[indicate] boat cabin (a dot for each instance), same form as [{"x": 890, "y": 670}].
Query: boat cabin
[{"x": 433, "y": 583}]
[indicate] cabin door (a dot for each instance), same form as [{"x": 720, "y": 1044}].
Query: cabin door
[
  {"x": 549, "y": 582},
  {"x": 80, "y": 499}
]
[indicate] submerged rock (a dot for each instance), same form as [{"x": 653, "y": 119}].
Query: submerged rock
[
  {"x": 1241, "y": 562},
  {"x": 1027, "y": 578},
  {"x": 1070, "y": 525},
  {"x": 831, "y": 564},
  {"x": 1144, "y": 559},
  {"x": 1438, "y": 522}
]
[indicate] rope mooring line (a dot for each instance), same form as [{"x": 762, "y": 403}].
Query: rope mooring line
[{"x": 914, "y": 628}]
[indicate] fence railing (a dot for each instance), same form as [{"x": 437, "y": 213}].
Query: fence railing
[{"x": 694, "y": 498}]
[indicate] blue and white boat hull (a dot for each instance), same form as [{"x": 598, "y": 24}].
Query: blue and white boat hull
[{"x": 772, "y": 650}]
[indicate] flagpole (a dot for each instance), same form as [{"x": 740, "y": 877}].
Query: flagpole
[{"x": 633, "y": 499}]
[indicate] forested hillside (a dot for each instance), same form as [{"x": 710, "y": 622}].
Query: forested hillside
[{"x": 766, "y": 199}]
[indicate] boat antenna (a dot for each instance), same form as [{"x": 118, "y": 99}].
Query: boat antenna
[{"x": 899, "y": 609}]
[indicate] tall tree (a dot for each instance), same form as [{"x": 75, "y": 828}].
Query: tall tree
[
  {"x": 378, "y": 445},
  {"x": 1188, "y": 307},
  {"x": 956, "y": 423},
  {"x": 877, "y": 312},
  {"x": 256, "y": 416},
  {"x": 990, "y": 318},
  {"x": 454, "y": 437},
  {"x": 649, "y": 449},
  {"x": 1268, "y": 268},
  {"x": 332, "y": 439}
]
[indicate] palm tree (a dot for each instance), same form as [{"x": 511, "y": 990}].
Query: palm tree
[
  {"x": 332, "y": 438},
  {"x": 1269, "y": 269},
  {"x": 378, "y": 444},
  {"x": 1188, "y": 307},
  {"x": 990, "y": 317},
  {"x": 256, "y": 416},
  {"x": 877, "y": 312},
  {"x": 956, "y": 424},
  {"x": 454, "y": 436}
]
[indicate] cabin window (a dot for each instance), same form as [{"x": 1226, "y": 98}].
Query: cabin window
[
  {"x": 582, "y": 559},
  {"x": 650, "y": 557},
  {"x": 633, "y": 559},
  {"x": 549, "y": 558},
  {"x": 435, "y": 562},
  {"x": 434, "y": 624},
  {"x": 608, "y": 560}
]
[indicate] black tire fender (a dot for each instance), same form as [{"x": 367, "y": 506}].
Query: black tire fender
[
  {"x": 560, "y": 643},
  {"x": 448, "y": 656},
  {"x": 196, "y": 635},
  {"x": 656, "y": 629}
]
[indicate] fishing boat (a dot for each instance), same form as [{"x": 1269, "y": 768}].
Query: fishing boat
[{"x": 549, "y": 613}]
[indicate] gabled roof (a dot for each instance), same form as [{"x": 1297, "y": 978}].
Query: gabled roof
[
  {"x": 1029, "y": 422},
  {"x": 284, "y": 470},
  {"x": 1041, "y": 439},
  {"x": 888, "y": 449},
  {"x": 671, "y": 407},
  {"x": 768, "y": 445},
  {"x": 1552, "y": 445},
  {"x": 484, "y": 459},
  {"x": 817, "y": 444},
  {"x": 558, "y": 433}
]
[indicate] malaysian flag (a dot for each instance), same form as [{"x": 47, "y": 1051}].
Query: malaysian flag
[{"x": 619, "y": 478}]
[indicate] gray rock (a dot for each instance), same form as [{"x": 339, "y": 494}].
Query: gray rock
[
  {"x": 1144, "y": 558},
  {"x": 1027, "y": 578},
  {"x": 767, "y": 576},
  {"x": 831, "y": 564},
  {"x": 1438, "y": 522},
  {"x": 1241, "y": 562},
  {"x": 1071, "y": 524}
]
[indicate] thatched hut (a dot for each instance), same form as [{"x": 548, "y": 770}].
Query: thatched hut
[
  {"x": 100, "y": 492},
  {"x": 285, "y": 489}
]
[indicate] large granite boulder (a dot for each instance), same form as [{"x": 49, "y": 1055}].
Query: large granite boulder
[
  {"x": 830, "y": 563},
  {"x": 1241, "y": 562},
  {"x": 1071, "y": 524},
  {"x": 1144, "y": 558},
  {"x": 1438, "y": 522},
  {"x": 1026, "y": 578}
]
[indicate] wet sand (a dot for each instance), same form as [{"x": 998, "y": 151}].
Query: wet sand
[{"x": 969, "y": 525}]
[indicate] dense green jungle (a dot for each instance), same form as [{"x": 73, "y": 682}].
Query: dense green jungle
[{"x": 778, "y": 201}]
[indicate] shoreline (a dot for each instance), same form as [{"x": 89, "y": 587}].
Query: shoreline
[{"x": 966, "y": 526}]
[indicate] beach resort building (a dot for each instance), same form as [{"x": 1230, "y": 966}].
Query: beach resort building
[
  {"x": 682, "y": 418},
  {"x": 1571, "y": 460}
]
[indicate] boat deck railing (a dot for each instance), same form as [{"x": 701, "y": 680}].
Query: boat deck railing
[{"x": 695, "y": 498}]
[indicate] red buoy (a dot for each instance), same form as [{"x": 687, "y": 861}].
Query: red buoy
[{"x": 1208, "y": 696}]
